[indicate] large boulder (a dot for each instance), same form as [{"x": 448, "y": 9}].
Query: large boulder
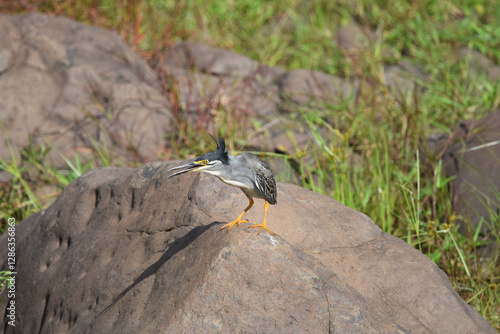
[
  {"x": 129, "y": 250},
  {"x": 75, "y": 87}
]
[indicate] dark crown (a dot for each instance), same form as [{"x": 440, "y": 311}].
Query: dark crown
[{"x": 219, "y": 154}]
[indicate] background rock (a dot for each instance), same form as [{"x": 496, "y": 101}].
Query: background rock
[
  {"x": 207, "y": 76},
  {"x": 128, "y": 250},
  {"x": 402, "y": 78},
  {"x": 479, "y": 64},
  {"x": 352, "y": 38},
  {"x": 76, "y": 86},
  {"x": 472, "y": 156},
  {"x": 306, "y": 86}
]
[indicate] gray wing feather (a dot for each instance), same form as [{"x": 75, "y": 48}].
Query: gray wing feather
[{"x": 265, "y": 182}]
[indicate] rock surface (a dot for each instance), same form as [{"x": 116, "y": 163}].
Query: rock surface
[
  {"x": 472, "y": 155},
  {"x": 128, "y": 251},
  {"x": 76, "y": 86}
]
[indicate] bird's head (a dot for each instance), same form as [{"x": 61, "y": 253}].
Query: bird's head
[{"x": 210, "y": 162}]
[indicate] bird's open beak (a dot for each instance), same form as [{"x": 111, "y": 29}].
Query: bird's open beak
[{"x": 190, "y": 167}]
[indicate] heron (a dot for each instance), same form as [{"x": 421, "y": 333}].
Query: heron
[{"x": 245, "y": 171}]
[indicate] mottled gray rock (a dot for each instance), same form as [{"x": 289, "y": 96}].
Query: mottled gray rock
[
  {"x": 480, "y": 64},
  {"x": 212, "y": 78},
  {"x": 128, "y": 251},
  {"x": 472, "y": 156},
  {"x": 74, "y": 85},
  {"x": 304, "y": 87},
  {"x": 352, "y": 38},
  {"x": 403, "y": 78},
  {"x": 219, "y": 61}
]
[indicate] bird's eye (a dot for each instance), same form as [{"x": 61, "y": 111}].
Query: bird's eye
[{"x": 202, "y": 162}]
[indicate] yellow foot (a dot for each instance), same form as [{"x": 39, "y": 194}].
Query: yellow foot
[
  {"x": 262, "y": 226},
  {"x": 237, "y": 221}
]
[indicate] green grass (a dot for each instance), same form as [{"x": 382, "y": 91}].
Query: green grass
[
  {"x": 367, "y": 151},
  {"x": 6, "y": 277}
]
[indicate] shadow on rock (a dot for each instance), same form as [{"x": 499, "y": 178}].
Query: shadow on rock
[{"x": 172, "y": 249}]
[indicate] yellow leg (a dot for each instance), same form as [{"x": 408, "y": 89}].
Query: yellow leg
[
  {"x": 238, "y": 220},
  {"x": 263, "y": 226}
]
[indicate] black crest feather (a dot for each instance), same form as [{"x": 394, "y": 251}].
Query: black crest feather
[{"x": 221, "y": 149}]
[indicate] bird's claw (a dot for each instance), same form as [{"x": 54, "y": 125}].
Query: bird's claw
[
  {"x": 236, "y": 222},
  {"x": 262, "y": 226}
]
